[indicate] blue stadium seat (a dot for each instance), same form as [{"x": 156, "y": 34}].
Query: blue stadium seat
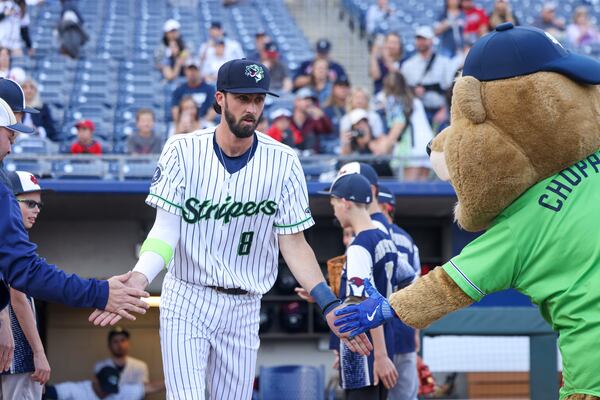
[{"x": 292, "y": 382}]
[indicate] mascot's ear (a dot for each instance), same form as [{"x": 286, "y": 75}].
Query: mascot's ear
[{"x": 467, "y": 95}]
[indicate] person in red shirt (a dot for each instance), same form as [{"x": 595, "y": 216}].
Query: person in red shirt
[
  {"x": 85, "y": 143},
  {"x": 309, "y": 119},
  {"x": 476, "y": 19},
  {"x": 282, "y": 130}
]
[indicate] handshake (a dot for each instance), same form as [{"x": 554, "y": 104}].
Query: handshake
[{"x": 125, "y": 293}]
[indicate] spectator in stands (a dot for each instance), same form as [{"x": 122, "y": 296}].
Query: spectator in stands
[
  {"x": 173, "y": 53},
  {"x": 17, "y": 74},
  {"x": 323, "y": 47},
  {"x": 282, "y": 129},
  {"x": 10, "y": 26},
  {"x": 43, "y": 123},
  {"x": 476, "y": 19},
  {"x": 260, "y": 39},
  {"x": 133, "y": 371},
  {"x": 548, "y": 21},
  {"x": 85, "y": 143},
  {"x": 582, "y": 31},
  {"x": 188, "y": 119},
  {"x": 213, "y": 61},
  {"x": 195, "y": 86},
  {"x": 378, "y": 16},
  {"x": 25, "y": 21},
  {"x": 450, "y": 28},
  {"x": 335, "y": 106},
  {"x": 385, "y": 57},
  {"x": 409, "y": 131},
  {"x": 359, "y": 99},
  {"x": 501, "y": 13},
  {"x": 144, "y": 140},
  {"x": 357, "y": 136},
  {"x": 280, "y": 75},
  {"x": 71, "y": 34},
  {"x": 309, "y": 119},
  {"x": 319, "y": 80},
  {"x": 429, "y": 74},
  {"x": 233, "y": 49}
]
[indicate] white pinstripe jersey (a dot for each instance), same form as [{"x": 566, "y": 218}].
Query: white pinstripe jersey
[{"x": 230, "y": 222}]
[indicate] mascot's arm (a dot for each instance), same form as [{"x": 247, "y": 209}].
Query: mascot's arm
[{"x": 428, "y": 299}]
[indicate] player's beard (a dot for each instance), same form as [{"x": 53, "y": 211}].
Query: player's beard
[{"x": 239, "y": 130}]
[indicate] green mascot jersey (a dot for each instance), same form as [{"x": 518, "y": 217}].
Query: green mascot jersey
[{"x": 546, "y": 244}]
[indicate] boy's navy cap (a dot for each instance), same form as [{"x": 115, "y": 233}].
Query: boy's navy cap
[
  {"x": 385, "y": 196},
  {"x": 353, "y": 187},
  {"x": 11, "y": 92},
  {"x": 360, "y": 168},
  {"x": 244, "y": 76},
  {"x": 512, "y": 51},
  {"x": 108, "y": 378}
]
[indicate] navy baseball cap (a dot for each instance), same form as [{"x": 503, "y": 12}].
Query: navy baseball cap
[
  {"x": 244, "y": 76},
  {"x": 385, "y": 196},
  {"x": 323, "y": 46},
  {"x": 353, "y": 187},
  {"x": 108, "y": 378},
  {"x": 360, "y": 168},
  {"x": 512, "y": 51},
  {"x": 11, "y": 92}
]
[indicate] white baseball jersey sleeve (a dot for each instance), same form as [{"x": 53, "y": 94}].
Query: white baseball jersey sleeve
[{"x": 230, "y": 221}]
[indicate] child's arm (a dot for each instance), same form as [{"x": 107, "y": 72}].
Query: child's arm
[{"x": 383, "y": 367}]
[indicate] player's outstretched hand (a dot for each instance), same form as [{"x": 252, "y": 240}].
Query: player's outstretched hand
[
  {"x": 125, "y": 295},
  {"x": 368, "y": 314},
  {"x": 304, "y": 295},
  {"x": 7, "y": 343},
  {"x": 360, "y": 344}
]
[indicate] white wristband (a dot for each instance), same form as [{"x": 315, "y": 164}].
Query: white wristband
[{"x": 150, "y": 264}]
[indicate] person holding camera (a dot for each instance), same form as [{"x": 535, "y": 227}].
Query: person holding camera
[
  {"x": 430, "y": 75},
  {"x": 356, "y": 138}
]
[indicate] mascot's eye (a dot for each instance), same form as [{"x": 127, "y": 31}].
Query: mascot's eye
[{"x": 428, "y": 148}]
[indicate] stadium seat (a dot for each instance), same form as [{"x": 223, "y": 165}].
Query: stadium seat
[{"x": 292, "y": 382}]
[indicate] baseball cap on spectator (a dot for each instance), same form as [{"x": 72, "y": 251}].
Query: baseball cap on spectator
[
  {"x": 192, "y": 62},
  {"x": 271, "y": 48},
  {"x": 117, "y": 330},
  {"x": 260, "y": 33},
  {"x": 86, "y": 123},
  {"x": 9, "y": 121},
  {"x": 12, "y": 93},
  {"x": 549, "y": 6},
  {"x": 171, "y": 25},
  {"x": 385, "y": 196},
  {"x": 363, "y": 169},
  {"x": 23, "y": 182},
  {"x": 512, "y": 51},
  {"x": 424, "y": 32},
  {"x": 353, "y": 187},
  {"x": 342, "y": 81},
  {"x": 357, "y": 115},
  {"x": 306, "y": 93},
  {"x": 244, "y": 76},
  {"x": 216, "y": 25},
  {"x": 108, "y": 378},
  {"x": 323, "y": 46},
  {"x": 279, "y": 113}
]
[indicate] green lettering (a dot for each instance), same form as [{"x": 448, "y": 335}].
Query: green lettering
[
  {"x": 190, "y": 213},
  {"x": 269, "y": 208},
  {"x": 236, "y": 209},
  {"x": 209, "y": 211},
  {"x": 249, "y": 208}
]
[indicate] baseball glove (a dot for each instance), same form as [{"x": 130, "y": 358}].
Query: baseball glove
[{"x": 334, "y": 272}]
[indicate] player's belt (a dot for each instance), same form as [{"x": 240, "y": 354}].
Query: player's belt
[{"x": 237, "y": 291}]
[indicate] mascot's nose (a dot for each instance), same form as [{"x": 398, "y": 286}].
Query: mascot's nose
[{"x": 428, "y": 148}]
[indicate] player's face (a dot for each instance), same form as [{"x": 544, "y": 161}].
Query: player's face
[
  {"x": 340, "y": 210},
  {"x": 119, "y": 345},
  {"x": 242, "y": 112},
  {"x": 7, "y": 139},
  {"x": 18, "y": 116},
  {"x": 30, "y": 208},
  {"x": 348, "y": 236}
]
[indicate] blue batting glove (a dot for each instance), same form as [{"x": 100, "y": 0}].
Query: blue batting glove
[{"x": 366, "y": 315}]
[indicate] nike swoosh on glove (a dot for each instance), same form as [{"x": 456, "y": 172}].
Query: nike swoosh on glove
[{"x": 368, "y": 314}]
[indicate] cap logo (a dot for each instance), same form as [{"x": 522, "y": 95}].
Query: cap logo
[
  {"x": 34, "y": 180},
  {"x": 255, "y": 71},
  {"x": 553, "y": 39}
]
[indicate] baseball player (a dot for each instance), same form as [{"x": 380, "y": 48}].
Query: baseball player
[
  {"x": 30, "y": 369},
  {"x": 227, "y": 199},
  {"x": 405, "y": 357},
  {"x": 25, "y": 271},
  {"x": 371, "y": 255}
]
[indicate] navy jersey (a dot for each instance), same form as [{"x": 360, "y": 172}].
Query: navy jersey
[{"x": 371, "y": 255}]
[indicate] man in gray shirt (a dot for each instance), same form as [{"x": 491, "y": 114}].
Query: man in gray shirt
[{"x": 429, "y": 74}]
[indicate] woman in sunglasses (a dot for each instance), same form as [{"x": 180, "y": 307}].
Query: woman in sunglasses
[{"x": 30, "y": 369}]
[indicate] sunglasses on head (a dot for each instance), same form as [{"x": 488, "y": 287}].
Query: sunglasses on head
[{"x": 31, "y": 203}]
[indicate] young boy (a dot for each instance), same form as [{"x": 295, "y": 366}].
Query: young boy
[
  {"x": 85, "y": 143},
  {"x": 144, "y": 140},
  {"x": 371, "y": 255},
  {"x": 30, "y": 369}
]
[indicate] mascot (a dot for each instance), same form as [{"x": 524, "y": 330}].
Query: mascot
[{"x": 522, "y": 155}]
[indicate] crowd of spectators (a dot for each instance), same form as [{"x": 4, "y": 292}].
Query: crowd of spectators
[{"x": 390, "y": 121}]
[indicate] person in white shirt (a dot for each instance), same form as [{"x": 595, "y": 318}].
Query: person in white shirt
[
  {"x": 232, "y": 50},
  {"x": 132, "y": 370}
]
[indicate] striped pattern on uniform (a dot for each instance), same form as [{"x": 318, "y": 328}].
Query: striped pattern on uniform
[{"x": 230, "y": 221}]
